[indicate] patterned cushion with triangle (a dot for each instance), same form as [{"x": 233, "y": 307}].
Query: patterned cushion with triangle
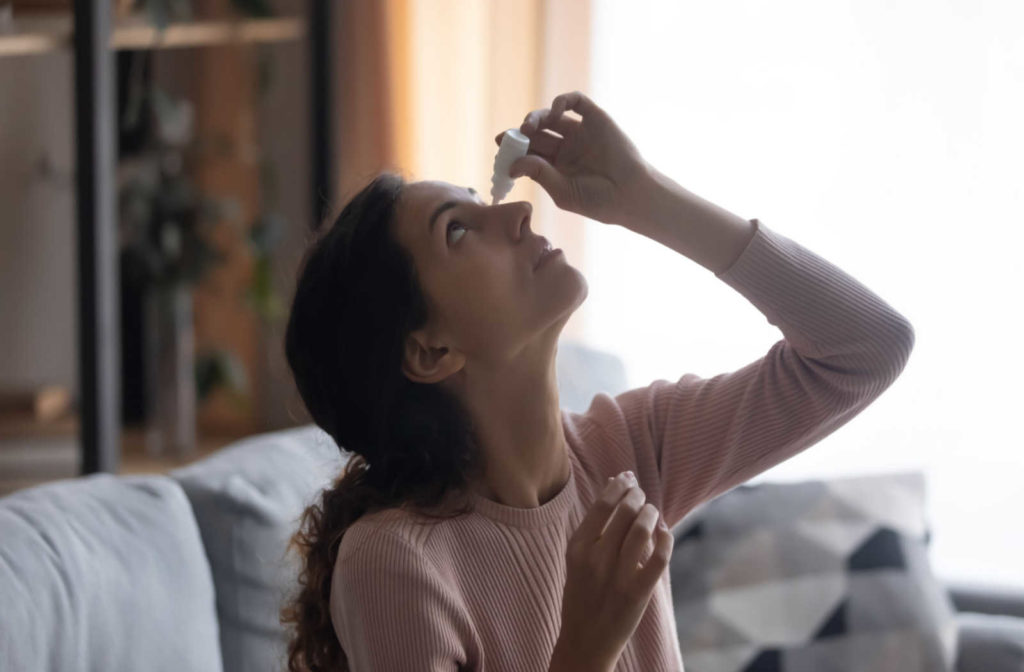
[{"x": 812, "y": 577}]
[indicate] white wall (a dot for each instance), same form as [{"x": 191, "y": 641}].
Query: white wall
[{"x": 888, "y": 139}]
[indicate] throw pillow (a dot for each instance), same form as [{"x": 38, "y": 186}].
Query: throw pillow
[
  {"x": 812, "y": 577},
  {"x": 247, "y": 500}
]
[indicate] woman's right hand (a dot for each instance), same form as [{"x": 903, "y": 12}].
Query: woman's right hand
[
  {"x": 588, "y": 166},
  {"x": 608, "y": 586}
]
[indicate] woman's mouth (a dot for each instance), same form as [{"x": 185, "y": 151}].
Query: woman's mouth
[{"x": 547, "y": 254}]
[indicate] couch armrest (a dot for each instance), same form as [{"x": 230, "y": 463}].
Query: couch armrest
[
  {"x": 989, "y": 643},
  {"x": 986, "y": 598}
]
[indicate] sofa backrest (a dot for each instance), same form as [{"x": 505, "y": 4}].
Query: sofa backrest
[
  {"x": 104, "y": 573},
  {"x": 584, "y": 371},
  {"x": 247, "y": 499}
]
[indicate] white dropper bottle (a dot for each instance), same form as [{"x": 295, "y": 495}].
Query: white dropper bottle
[{"x": 513, "y": 146}]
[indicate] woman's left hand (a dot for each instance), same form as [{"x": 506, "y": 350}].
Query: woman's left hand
[{"x": 587, "y": 166}]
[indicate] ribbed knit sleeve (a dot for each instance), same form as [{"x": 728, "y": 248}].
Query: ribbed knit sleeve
[
  {"x": 694, "y": 438},
  {"x": 391, "y": 610}
]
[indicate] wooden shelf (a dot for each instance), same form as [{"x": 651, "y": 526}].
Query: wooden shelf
[
  {"x": 36, "y": 35},
  {"x": 47, "y": 33},
  {"x": 97, "y": 437},
  {"x": 23, "y": 425}
]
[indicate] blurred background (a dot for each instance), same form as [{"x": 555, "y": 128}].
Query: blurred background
[{"x": 885, "y": 137}]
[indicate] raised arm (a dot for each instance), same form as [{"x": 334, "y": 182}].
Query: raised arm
[{"x": 694, "y": 438}]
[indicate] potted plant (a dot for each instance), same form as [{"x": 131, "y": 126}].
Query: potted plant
[{"x": 165, "y": 228}]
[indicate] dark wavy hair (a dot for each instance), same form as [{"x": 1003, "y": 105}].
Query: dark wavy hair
[{"x": 412, "y": 445}]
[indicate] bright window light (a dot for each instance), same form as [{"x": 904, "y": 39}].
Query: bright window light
[{"x": 886, "y": 137}]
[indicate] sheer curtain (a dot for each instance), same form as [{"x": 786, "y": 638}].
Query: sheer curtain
[
  {"x": 886, "y": 137},
  {"x": 424, "y": 86}
]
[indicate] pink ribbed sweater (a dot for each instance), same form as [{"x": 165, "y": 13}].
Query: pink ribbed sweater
[{"x": 484, "y": 592}]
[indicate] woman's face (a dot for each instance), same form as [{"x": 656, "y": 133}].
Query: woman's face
[{"x": 476, "y": 264}]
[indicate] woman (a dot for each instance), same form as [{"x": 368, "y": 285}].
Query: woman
[{"x": 479, "y": 526}]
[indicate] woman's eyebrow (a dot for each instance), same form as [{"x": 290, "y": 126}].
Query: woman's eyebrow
[
  {"x": 445, "y": 206},
  {"x": 437, "y": 213}
]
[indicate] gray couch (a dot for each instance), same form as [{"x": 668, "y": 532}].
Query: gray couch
[{"x": 186, "y": 571}]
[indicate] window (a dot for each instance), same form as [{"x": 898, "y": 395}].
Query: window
[{"x": 886, "y": 138}]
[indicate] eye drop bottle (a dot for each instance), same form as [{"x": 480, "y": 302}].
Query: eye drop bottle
[{"x": 513, "y": 146}]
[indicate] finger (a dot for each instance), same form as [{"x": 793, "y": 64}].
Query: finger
[
  {"x": 576, "y": 101},
  {"x": 543, "y": 173},
  {"x": 543, "y": 143},
  {"x": 541, "y": 119},
  {"x": 623, "y": 517},
  {"x": 531, "y": 122},
  {"x": 546, "y": 144},
  {"x": 597, "y": 517},
  {"x": 631, "y": 554},
  {"x": 656, "y": 564},
  {"x": 564, "y": 126}
]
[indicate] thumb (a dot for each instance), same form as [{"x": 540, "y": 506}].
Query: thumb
[{"x": 541, "y": 172}]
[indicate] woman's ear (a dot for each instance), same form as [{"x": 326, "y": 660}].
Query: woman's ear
[{"x": 426, "y": 363}]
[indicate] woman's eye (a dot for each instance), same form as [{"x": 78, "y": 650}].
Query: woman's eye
[{"x": 454, "y": 223}]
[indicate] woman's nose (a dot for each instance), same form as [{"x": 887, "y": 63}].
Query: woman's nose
[{"x": 520, "y": 217}]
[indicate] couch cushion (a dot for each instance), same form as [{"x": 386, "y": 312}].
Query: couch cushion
[
  {"x": 104, "y": 573},
  {"x": 247, "y": 499},
  {"x": 821, "y": 575},
  {"x": 990, "y": 643},
  {"x": 584, "y": 371}
]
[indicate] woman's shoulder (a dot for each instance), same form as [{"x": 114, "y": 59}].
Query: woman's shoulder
[
  {"x": 367, "y": 531},
  {"x": 379, "y": 568},
  {"x": 392, "y": 530}
]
